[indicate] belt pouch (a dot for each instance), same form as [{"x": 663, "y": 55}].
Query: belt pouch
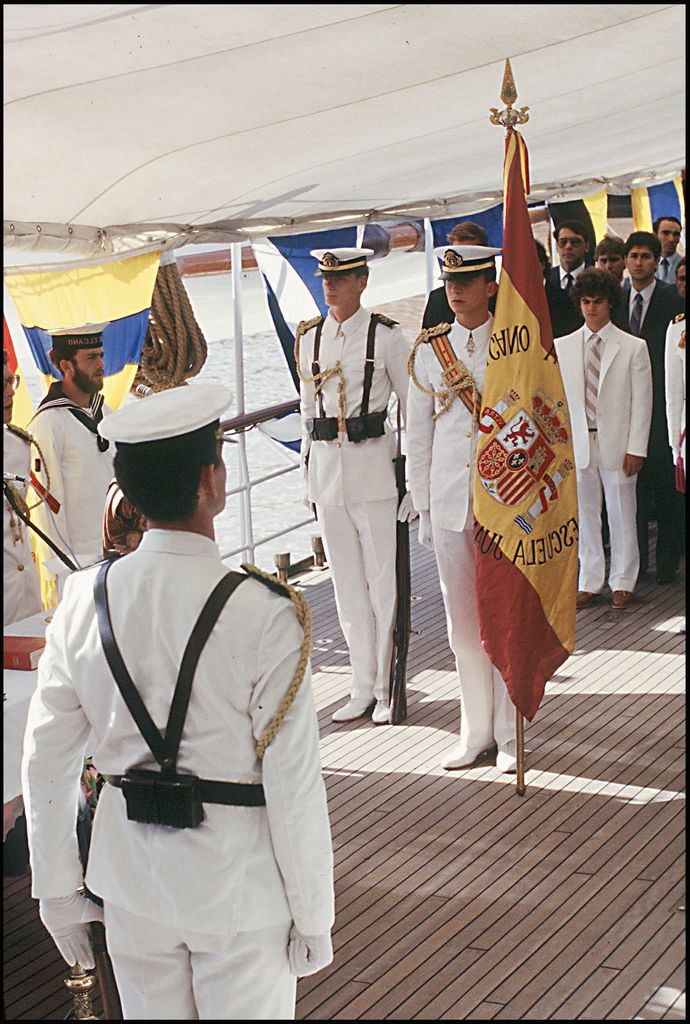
[
  {"x": 360, "y": 428},
  {"x": 324, "y": 428},
  {"x": 155, "y": 799}
]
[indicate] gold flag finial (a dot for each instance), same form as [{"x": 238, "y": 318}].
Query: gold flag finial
[{"x": 509, "y": 117}]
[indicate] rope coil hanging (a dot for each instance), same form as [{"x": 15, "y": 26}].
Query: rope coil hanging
[{"x": 174, "y": 348}]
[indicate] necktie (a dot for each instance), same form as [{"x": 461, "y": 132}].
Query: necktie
[
  {"x": 664, "y": 269},
  {"x": 470, "y": 344},
  {"x": 568, "y": 284},
  {"x": 636, "y": 316},
  {"x": 592, "y": 379}
]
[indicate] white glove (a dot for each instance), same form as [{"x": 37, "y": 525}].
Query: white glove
[
  {"x": 406, "y": 510},
  {"x": 309, "y": 953},
  {"x": 424, "y": 533},
  {"x": 676, "y": 455},
  {"x": 67, "y": 919}
]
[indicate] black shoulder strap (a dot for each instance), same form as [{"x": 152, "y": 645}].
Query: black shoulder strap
[
  {"x": 163, "y": 749},
  {"x": 369, "y": 363},
  {"x": 315, "y": 367}
]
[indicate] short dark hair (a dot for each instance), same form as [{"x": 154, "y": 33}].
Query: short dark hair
[
  {"x": 643, "y": 240},
  {"x": 595, "y": 283},
  {"x": 161, "y": 478},
  {"x": 657, "y": 222},
  {"x": 572, "y": 225},
  {"x": 542, "y": 254},
  {"x": 679, "y": 264},
  {"x": 610, "y": 246},
  {"x": 469, "y": 233}
]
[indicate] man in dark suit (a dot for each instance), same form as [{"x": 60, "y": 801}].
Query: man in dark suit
[
  {"x": 565, "y": 316},
  {"x": 647, "y": 309},
  {"x": 437, "y": 310},
  {"x": 573, "y": 246}
]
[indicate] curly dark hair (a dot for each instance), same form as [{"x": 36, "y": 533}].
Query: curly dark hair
[{"x": 595, "y": 283}]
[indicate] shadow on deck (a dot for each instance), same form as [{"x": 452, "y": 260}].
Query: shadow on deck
[{"x": 456, "y": 898}]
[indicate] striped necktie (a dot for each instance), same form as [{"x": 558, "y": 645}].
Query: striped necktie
[
  {"x": 636, "y": 315},
  {"x": 592, "y": 371}
]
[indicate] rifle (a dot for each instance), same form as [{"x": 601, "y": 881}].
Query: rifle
[
  {"x": 104, "y": 967},
  {"x": 403, "y": 619}
]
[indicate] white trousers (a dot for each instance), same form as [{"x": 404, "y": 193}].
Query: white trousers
[
  {"x": 360, "y": 544},
  {"x": 487, "y": 713},
  {"x": 621, "y": 508},
  {"x": 166, "y": 974}
]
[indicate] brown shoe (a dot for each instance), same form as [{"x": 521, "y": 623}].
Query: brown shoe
[
  {"x": 583, "y": 599},
  {"x": 621, "y": 599}
]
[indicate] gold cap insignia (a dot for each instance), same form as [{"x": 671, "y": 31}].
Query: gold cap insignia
[
  {"x": 452, "y": 259},
  {"x": 329, "y": 260}
]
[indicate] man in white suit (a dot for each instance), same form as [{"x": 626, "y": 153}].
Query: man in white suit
[
  {"x": 608, "y": 384},
  {"x": 213, "y": 908},
  {"x": 348, "y": 363}
]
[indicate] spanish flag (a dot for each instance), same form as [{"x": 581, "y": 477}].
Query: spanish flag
[
  {"x": 525, "y": 498},
  {"x": 117, "y": 290}
]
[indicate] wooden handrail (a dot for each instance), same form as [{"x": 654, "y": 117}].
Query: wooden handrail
[{"x": 250, "y": 419}]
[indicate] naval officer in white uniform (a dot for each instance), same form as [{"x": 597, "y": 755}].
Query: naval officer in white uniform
[
  {"x": 21, "y": 590},
  {"x": 213, "y": 921},
  {"x": 77, "y": 464},
  {"x": 348, "y": 451},
  {"x": 441, "y": 456},
  {"x": 674, "y": 367}
]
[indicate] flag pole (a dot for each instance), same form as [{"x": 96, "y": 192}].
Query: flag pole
[{"x": 508, "y": 118}]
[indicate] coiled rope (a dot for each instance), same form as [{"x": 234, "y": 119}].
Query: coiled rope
[{"x": 174, "y": 348}]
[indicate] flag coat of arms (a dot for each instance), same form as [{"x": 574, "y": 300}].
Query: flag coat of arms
[{"x": 525, "y": 497}]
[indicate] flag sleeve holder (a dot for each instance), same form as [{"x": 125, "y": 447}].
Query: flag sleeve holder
[
  {"x": 520, "y": 753},
  {"x": 402, "y": 622}
]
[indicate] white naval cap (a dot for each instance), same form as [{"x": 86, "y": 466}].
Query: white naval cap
[
  {"x": 339, "y": 261},
  {"x": 464, "y": 259},
  {"x": 167, "y": 414},
  {"x": 69, "y": 339}
]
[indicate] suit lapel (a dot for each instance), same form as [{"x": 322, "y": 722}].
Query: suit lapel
[{"x": 611, "y": 347}]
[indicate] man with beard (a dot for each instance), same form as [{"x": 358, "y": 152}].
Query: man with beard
[{"x": 77, "y": 464}]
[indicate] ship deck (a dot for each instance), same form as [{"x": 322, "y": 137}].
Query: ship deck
[{"x": 457, "y": 898}]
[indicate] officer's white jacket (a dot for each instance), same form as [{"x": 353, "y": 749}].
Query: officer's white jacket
[
  {"x": 79, "y": 478},
  {"x": 243, "y": 868},
  {"x": 624, "y": 400},
  {"x": 21, "y": 589},
  {"x": 341, "y": 471},
  {"x": 441, "y": 453},
  {"x": 675, "y": 383}
]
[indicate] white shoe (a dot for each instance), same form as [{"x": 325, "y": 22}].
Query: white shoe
[
  {"x": 505, "y": 760},
  {"x": 459, "y": 757},
  {"x": 381, "y": 714},
  {"x": 356, "y": 707}
]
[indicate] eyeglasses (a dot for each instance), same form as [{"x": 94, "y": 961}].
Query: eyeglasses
[
  {"x": 562, "y": 242},
  {"x": 11, "y": 382}
]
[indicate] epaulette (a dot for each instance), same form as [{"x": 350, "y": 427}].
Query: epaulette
[
  {"x": 306, "y": 325},
  {"x": 272, "y": 582},
  {"x": 677, "y": 319},
  {"x": 433, "y": 332},
  {"x": 385, "y": 320},
  {"x": 20, "y": 432}
]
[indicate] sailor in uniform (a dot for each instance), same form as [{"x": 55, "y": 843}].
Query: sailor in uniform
[
  {"x": 447, "y": 368},
  {"x": 77, "y": 463},
  {"x": 21, "y": 589},
  {"x": 219, "y": 892},
  {"x": 674, "y": 366},
  {"x": 348, "y": 363}
]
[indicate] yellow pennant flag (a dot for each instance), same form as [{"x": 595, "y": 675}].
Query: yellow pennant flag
[{"x": 525, "y": 500}]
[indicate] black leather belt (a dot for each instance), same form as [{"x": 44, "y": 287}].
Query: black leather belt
[
  {"x": 592, "y": 430},
  {"x": 233, "y": 794},
  {"x": 358, "y": 428}
]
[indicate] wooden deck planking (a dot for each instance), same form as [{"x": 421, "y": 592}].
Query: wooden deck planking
[{"x": 455, "y": 897}]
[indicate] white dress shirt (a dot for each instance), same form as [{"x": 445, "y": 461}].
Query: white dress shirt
[
  {"x": 575, "y": 273},
  {"x": 342, "y": 471},
  {"x": 244, "y": 867},
  {"x": 441, "y": 453}
]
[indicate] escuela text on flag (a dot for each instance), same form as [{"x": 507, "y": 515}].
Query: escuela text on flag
[{"x": 525, "y": 498}]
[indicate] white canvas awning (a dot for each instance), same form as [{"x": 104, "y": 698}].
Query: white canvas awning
[{"x": 126, "y": 122}]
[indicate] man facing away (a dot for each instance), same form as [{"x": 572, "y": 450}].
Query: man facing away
[
  {"x": 608, "y": 383},
  {"x": 348, "y": 364},
  {"x": 77, "y": 464},
  {"x": 441, "y": 454},
  {"x": 21, "y": 590},
  {"x": 210, "y": 917}
]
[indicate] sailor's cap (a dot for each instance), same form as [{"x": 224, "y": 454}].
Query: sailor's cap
[
  {"x": 167, "y": 414},
  {"x": 465, "y": 259},
  {"x": 70, "y": 339},
  {"x": 340, "y": 261}
]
